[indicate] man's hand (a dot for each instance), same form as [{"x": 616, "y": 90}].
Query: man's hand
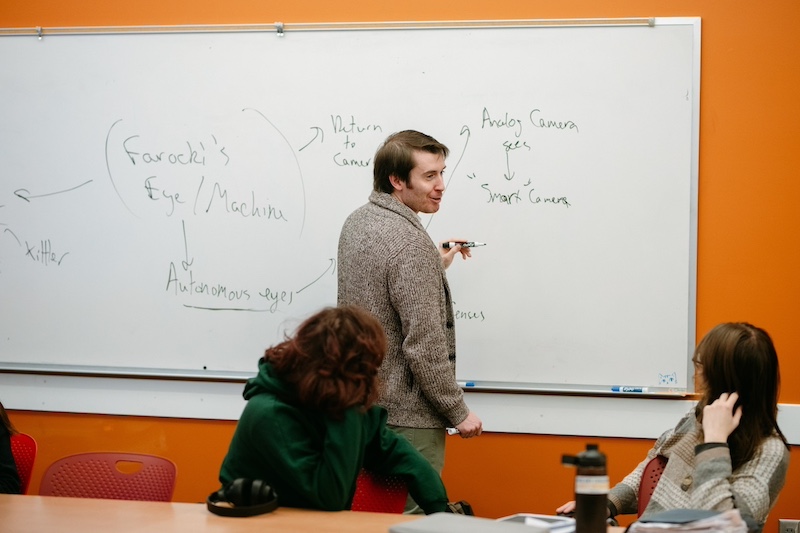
[
  {"x": 448, "y": 254},
  {"x": 470, "y": 427}
]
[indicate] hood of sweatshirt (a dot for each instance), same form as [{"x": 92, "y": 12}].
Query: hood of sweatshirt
[{"x": 267, "y": 382}]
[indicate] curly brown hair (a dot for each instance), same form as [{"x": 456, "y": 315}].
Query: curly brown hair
[{"x": 332, "y": 360}]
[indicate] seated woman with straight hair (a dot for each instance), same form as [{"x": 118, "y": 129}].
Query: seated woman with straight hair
[
  {"x": 728, "y": 452},
  {"x": 310, "y": 425},
  {"x": 9, "y": 476}
]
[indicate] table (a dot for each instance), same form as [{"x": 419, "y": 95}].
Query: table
[{"x": 32, "y": 514}]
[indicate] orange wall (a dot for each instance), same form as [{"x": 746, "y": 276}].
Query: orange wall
[
  {"x": 748, "y": 247},
  {"x": 499, "y": 474}
]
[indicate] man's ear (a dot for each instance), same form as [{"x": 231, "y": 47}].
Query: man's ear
[{"x": 396, "y": 182}]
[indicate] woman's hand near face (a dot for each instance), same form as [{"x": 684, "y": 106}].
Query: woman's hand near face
[{"x": 720, "y": 419}]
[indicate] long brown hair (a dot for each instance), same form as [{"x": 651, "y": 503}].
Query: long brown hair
[
  {"x": 6, "y": 422},
  {"x": 739, "y": 357},
  {"x": 332, "y": 360}
]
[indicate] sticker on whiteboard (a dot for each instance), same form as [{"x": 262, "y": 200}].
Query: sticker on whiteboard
[{"x": 668, "y": 379}]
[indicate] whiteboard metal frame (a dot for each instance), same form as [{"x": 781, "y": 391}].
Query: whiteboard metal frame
[
  {"x": 280, "y": 28},
  {"x": 182, "y": 393}
]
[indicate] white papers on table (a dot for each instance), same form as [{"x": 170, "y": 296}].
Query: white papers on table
[{"x": 694, "y": 521}]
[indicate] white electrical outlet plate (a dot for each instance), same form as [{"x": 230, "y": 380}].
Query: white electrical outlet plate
[{"x": 788, "y": 526}]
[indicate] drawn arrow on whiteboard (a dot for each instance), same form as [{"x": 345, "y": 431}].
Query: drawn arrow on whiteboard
[
  {"x": 464, "y": 131},
  {"x": 185, "y": 263},
  {"x": 509, "y": 175},
  {"x": 26, "y": 195},
  {"x": 331, "y": 267},
  {"x": 319, "y": 134}
]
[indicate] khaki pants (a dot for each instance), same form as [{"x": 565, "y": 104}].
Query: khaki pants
[{"x": 428, "y": 442}]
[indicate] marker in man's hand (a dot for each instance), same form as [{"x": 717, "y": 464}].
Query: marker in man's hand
[{"x": 464, "y": 244}]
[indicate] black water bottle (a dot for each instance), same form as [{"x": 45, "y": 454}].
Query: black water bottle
[{"x": 591, "y": 490}]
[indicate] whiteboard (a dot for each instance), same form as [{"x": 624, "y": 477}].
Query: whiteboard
[{"x": 171, "y": 203}]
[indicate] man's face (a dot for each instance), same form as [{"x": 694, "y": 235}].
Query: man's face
[{"x": 425, "y": 187}]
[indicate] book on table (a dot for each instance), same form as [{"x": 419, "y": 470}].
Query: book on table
[{"x": 552, "y": 523}]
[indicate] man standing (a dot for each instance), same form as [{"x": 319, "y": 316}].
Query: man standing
[{"x": 389, "y": 265}]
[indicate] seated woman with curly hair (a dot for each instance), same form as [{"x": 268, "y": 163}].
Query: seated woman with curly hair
[{"x": 310, "y": 425}]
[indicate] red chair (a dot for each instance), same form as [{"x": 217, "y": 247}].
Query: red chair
[
  {"x": 379, "y": 494},
  {"x": 110, "y": 475},
  {"x": 650, "y": 476},
  {"x": 24, "y": 448}
]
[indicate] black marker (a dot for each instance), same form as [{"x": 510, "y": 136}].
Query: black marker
[{"x": 464, "y": 244}]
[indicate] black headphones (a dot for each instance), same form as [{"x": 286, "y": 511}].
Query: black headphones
[{"x": 243, "y": 497}]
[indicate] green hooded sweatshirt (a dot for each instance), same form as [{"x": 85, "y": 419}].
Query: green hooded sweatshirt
[{"x": 313, "y": 461}]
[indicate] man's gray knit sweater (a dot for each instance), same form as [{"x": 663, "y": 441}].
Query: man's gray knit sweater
[{"x": 389, "y": 265}]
